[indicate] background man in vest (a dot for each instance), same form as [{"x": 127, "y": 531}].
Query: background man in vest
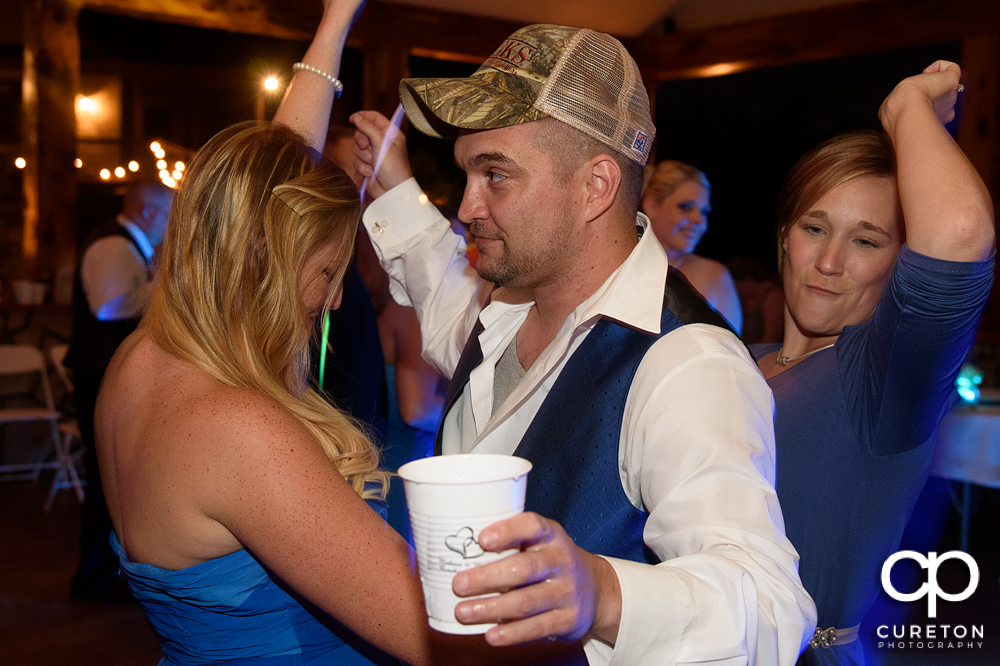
[
  {"x": 652, "y": 421},
  {"x": 112, "y": 286}
]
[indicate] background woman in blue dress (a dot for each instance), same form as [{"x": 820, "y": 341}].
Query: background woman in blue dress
[
  {"x": 676, "y": 201},
  {"x": 886, "y": 250}
]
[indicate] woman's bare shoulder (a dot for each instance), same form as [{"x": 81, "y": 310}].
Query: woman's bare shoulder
[
  {"x": 696, "y": 266},
  {"x": 171, "y": 401}
]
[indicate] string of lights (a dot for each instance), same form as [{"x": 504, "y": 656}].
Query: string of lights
[{"x": 169, "y": 174}]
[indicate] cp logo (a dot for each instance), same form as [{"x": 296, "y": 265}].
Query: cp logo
[{"x": 930, "y": 589}]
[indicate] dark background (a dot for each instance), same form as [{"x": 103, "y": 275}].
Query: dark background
[{"x": 747, "y": 130}]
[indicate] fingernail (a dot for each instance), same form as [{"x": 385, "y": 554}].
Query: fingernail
[
  {"x": 487, "y": 540},
  {"x": 459, "y": 584},
  {"x": 494, "y": 635}
]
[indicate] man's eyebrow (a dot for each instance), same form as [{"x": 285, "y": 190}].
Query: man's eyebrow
[{"x": 489, "y": 158}]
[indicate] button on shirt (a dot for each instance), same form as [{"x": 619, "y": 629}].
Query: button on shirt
[{"x": 696, "y": 449}]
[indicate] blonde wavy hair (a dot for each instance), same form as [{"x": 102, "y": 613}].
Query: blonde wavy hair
[
  {"x": 254, "y": 206},
  {"x": 663, "y": 180}
]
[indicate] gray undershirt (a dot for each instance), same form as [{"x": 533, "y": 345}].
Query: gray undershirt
[{"x": 507, "y": 375}]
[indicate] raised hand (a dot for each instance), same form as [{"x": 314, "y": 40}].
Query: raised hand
[
  {"x": 937, "y": 85},
  {"x": 947, "y": 209},
  {"x": 309, "y": 97},
  {"x": 552, "y": 589},
  {"x": 395, "y": 168}
]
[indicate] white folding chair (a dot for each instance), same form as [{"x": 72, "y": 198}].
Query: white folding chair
[
  {"x": 72, "y": 440},
  {"x": 23, "y": 359}
]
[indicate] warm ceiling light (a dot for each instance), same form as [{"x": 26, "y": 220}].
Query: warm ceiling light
[
  {"x": 20, "y": 163},
  {"x": 86, "y": 104},
  {"x": 78, "y": 163},
  {"x": 161, "y": 164},
  {"x": 120, "y": 172},
  {"x": 270, "y": 83},
  {"x": 160, "y": 154},
  {"x": 169, "y": 182},
  {"x": 164, "y": 173},
  {"x": 155, "y": 146},
  {"x": 179, "y": 166},
  {"x": 722, "y": 69},
  {"x": 105, "y": 174},
  {"x": 176, "y": 175},
  {"x": 133, "y": 166}
]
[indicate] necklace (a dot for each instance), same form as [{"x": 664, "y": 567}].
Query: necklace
[{"x": 785, "y": 360}]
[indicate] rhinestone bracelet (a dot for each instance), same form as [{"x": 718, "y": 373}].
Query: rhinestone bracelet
[{"x": 338, "y": 87}]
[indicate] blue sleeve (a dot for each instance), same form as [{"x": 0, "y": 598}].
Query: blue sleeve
[{"x": 899, "y": 369}]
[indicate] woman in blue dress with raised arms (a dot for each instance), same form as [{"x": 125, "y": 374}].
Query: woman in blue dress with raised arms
[{"x": 886, "y": 250}]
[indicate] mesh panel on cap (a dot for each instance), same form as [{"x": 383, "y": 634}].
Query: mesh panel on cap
[{"x": 596, "y": 88}]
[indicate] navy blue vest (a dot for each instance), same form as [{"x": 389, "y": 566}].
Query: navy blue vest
[{"x": 572, "y": 442}]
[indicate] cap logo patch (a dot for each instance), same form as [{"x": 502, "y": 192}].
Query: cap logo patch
[
  {"x": 514, "y": 52},
  {"x": 640, "y": 142}
]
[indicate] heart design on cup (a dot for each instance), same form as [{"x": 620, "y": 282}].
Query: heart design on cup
[{"x": 464, "y": 543}]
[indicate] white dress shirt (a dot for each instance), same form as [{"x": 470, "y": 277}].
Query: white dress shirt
[
  {"x": 116, "y": 277},
  {"x": 696, "y": 449}
]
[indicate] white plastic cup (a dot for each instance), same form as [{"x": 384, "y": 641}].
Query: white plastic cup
[{"x": 451, "y": 499}]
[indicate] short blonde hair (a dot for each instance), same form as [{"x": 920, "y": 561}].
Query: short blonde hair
[
  {"x": 663, "y": 180},
  {"x": 253, "y": 207},
  {"x": 830, "y": 164}
]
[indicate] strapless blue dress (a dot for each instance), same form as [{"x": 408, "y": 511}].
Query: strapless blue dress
[{"x": 232, "y": 610}]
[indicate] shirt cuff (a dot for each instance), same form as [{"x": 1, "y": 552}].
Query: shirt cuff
[
  {"x": 398, "y": 217},
  {"x": 654, "y": 614}
]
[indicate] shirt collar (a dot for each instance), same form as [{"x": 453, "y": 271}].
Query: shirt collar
[
  {"x": 632, "y": 295},
  {"x": 138, "y": 235}
]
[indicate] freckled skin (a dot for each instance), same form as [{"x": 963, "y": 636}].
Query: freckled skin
[{"x": 195, "y": 470}]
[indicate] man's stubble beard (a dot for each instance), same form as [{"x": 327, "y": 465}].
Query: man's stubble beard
[{"x": 521, "y": 270}]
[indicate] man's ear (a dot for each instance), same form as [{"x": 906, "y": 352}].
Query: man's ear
[{"x": 603, "y": 180}]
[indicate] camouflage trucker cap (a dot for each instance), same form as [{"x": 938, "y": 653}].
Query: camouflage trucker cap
[{"x": 583, "y": 78}]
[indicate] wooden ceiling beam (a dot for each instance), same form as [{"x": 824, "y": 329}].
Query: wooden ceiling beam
[
  {"x": 461, "y": 37},
  {"x": 243, "y": 16},
  {"x": 413, "y": 29},
  {"x": 831, "y": 32}
]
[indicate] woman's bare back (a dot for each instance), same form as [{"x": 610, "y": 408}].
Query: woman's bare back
[{"x": 150, "y": 428}]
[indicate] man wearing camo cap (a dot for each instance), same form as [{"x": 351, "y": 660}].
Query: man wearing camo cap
[{"x": 647, "y": 422}]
